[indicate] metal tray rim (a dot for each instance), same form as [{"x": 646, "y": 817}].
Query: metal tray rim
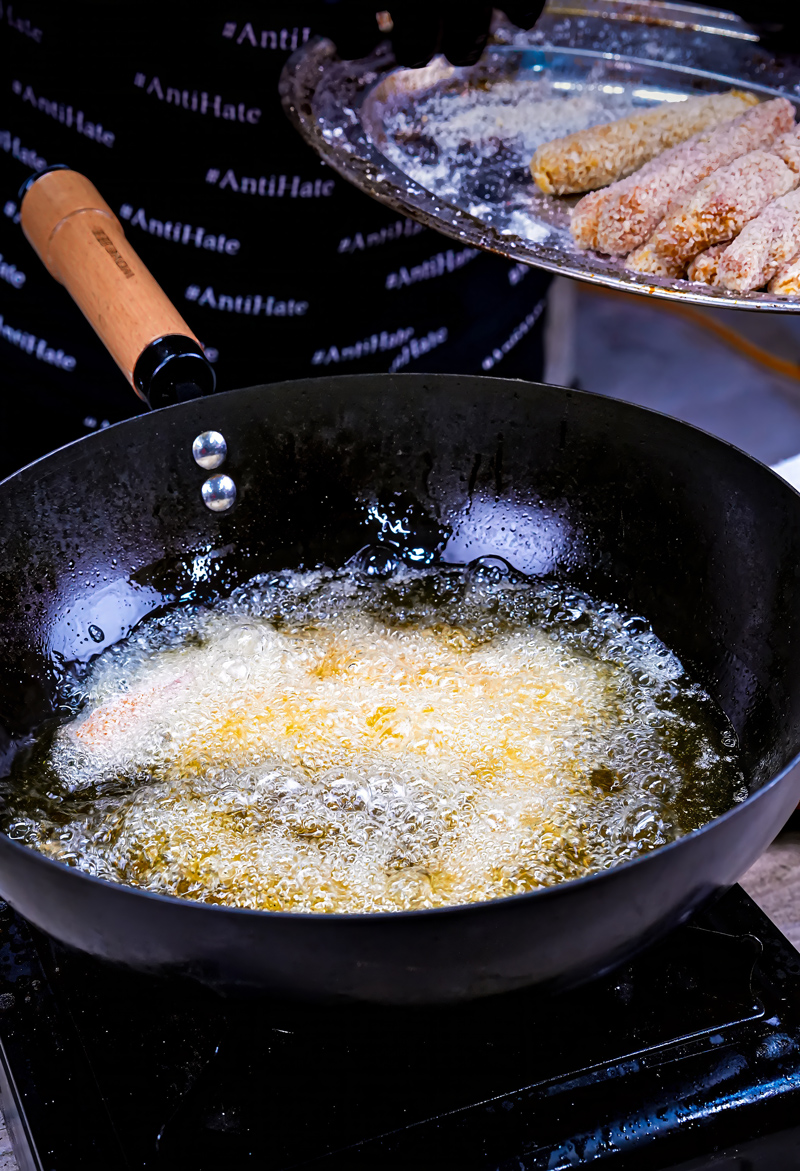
[{"x": 368, "y": 169}]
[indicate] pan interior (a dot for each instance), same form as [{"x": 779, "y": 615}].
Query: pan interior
[{"x": 382, "y": 738}]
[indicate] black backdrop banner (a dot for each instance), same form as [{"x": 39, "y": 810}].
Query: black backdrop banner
[{"x": 281, "y": 268}]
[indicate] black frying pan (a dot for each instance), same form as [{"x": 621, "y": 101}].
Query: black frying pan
[{"x": 626, "y": 504}]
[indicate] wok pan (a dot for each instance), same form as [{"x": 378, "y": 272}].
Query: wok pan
[{"x": 626, "y": 504}]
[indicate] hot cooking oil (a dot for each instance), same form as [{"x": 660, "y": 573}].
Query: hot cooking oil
[{"x": 330, "y": 742}]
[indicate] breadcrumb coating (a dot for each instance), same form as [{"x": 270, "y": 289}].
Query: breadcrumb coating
[
  {"x": 623, "y": 216},
  {"x": 786, "y": 281},
  {"x": 601, "y": 154},
  {"x": 787, "y": 147},
  {"x": 703, "y": 269},
  {"x": 586, "y": 219},
  {"x": 716, "y": 210},
  {"x": 763, "y": 246}
]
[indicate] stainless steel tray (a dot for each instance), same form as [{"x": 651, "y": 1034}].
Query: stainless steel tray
[{"x": 450, "y": 147}]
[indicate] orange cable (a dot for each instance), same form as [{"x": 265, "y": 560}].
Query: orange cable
[{"x": 750, "y": 349}]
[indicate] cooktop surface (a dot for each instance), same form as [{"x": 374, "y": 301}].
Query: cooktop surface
[{"x": 688, "y": 1057}]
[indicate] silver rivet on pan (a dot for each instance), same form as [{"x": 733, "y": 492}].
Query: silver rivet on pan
[
  {"x": 219, "y": 493},
  {"x": 209, "y": 450}
]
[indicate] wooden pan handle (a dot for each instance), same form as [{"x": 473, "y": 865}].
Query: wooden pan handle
[{"x": 82, "y": 244}]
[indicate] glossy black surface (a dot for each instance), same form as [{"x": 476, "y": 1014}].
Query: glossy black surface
[
  {"x": 687, "y": 1057},
  {"x": 173, "y": 369},
  {"x": 31, "y": 179},
  {"x": 631, "y": 506}
]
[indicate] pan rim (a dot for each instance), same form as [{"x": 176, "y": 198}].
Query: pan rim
[{"x": 400, "y": 376}]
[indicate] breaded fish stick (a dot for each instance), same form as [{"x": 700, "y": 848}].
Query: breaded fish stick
[
  {"x": 703, "y": 269},
  {"x": 622, "y": 217},
  {"x": 787, "y": 279},
  {"x": 121, "y": 714},
  {"x": 763, "y": 246},
  {"x": 601, "y": 154},
  {"x": 716, "y": 210}
]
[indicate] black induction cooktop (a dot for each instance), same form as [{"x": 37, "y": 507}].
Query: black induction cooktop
[{"x": 688, "y": 1057}]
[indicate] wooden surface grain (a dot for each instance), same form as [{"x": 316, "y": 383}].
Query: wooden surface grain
[
  {"x": 82, "y": 244},
  {"x": 774, "y": 883}
]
